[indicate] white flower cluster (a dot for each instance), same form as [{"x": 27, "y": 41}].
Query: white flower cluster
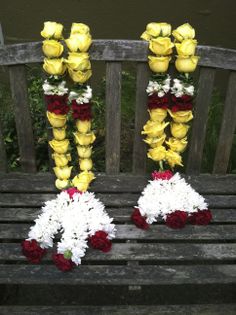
[
  {"x": 162, "y": 197},
  {"x": 59, "y": 89},
  {"x": 83, "y": 97},
  {"x": 160, "y": 88},
  {"x": 76, "y": 218},
  {"x": 180, "y": 88}
]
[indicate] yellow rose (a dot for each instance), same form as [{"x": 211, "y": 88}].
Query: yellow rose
[
  {"x": 154, "y": 128},
  {"x": 173, "y": 158},
  {"x": 62, "y": 172},
  {"x": 79, "y": 28},
  {"x": 158, "y": 114},
  {"x": 159, "y": 64},
  {"x": 52, "y": 48},
  {"x": 80, "y": 76},
  {"x": 80, "y": 185},
  {"x": 59, "y": 133},
  {"x": 186, "y": 63},
  {"x": 177, "y": 145},
  {"x": 85, "y": 164},
  {"x": 84, "y": 152},
  {"x": 86, "y": 176},
  {"x": 83, "y": 126},
  {"x": 146, "y": 36},
  {"x": 155, "y": 142},
  {"x": 157, "y": 154},
  {"x": 187, "y": 47},
  {"x": 78, "y": 61},
  {"x": 59, "y": 146},
  {"x": 181, "y": 116},
  {"x": 61, "y": 159},
  {"x": 79, "y": 42},
  {"x": 52, "y": 29},
  {"x": 54, "y": 66},
  {"x": 161, "y": 46},
  {"x": 153, "y": 29},
  {"x": 61, "y": 183},
  {"x": 165, "y": 29},
  {"x": 55, "y": 120},
  {"x": 84, "y": 138},
  {"x": 178, "y": 130},
  {"x": 184, "y": 31}
]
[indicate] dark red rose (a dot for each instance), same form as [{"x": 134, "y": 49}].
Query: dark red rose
[
  {"x": 181, "y": 103},
  {"x": 57, "y": 104},
  {"x": 71, "y": 191},
  {"x": 32, "y": 251},
  {"x": 81, "y": 111},
  {"x": 139, "y": 220},
  {"x": 154, "y": 101},
  {"x": 177, "y": 219},
  {"x": 100, "y": 241},
  {"x": 162, "y": 175},
  {"x": 201, "y": 217},
  {"x": 62, "y": 263}
]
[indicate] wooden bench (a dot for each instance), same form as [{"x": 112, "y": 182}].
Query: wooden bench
[{"x": 159, "y": 271}]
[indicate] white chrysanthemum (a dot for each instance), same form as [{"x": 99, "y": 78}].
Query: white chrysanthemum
[
  {"x": 82, "y": 97},
  {"x": 57, "y": 89},
  {"x": 180, "y": 88},
  {"x": 160, "y": 88}
]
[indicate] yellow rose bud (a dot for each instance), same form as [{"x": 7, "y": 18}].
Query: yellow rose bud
[
  {"x": 79, "y": 28},
  {"x": 181, "y": 116},
  {"x": 54, "y": 66},
  {"x": 83, "y": 126},
  {"x": 59, "y": 146},
  {"x": 161, "y": 46},
  {"x": 153, "y": 29},
  {"x": 59, "y": 133},
  {"x": 177, "y": 145},
  {"x": 155, "y": 142},
  {"x": 78, "y": 61},
  {"x": 62, "y": 172},
  {"x": 186, "y": 64},
  {"x": 79, "y": 42},
  {"x": 84, "y": 138},
  {"x": 80, "y": 185},
  {"x": 165, "y": 29},
  {"x": 86, "y": 176},
  {"x": 84, "y": 152},
  {"x": 184, "y": 31},
  {"x": 52, "y": 30},
  {"x": 187, "y": 47},
  {"x": 173, "y": 158},
  {"x": 52, "y": 48},
  {"x": 146, "y": 36},
  {"x": 55, "y": 120},
  {"x": 154, "y": 128},
  {"x": 178, "y": 130},
  {"x": 61, "y": 159},
  {"x": 80, "y": 76},
  {"x": 61, "y": 183},
  {"x": 159, "y": 64},
  {"x": 158, "y": 114},
  {"x": 157, "y": 154},
  {"x": 85, "y": 164}
]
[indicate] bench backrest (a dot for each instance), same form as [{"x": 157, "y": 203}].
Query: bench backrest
[{"x": 114, "y": 52}]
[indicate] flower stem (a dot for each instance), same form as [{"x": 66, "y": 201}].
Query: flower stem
[{"x": 161, "y": 166}]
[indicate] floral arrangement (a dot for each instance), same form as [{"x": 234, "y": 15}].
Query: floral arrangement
[
  {"x": 76, "y": 214},
  {"x": 168, "y": 196}
]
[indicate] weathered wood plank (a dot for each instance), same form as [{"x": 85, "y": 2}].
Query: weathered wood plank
[
  {"x": 22, "y": 118},
  {"x": 227, "y": 130},
  {"x": 205, "y": 87},
  {"x": 113, "y": 117},
  {"x": 139, "y": 147}
]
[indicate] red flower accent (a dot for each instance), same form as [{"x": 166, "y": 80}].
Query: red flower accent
[
  {"x": 181, "y": 103},
  {"x": 202, "y": 217},
  {"x": 57, "y": 104},
  {"x": 139, "y": 220},
  {"x": 177, "y": 219},
  {"x": 71, "y": 191},
  {"x": 100, "y": 241},
  {"x": 32, "y": 251},
  {"x": 81, "y": 111},
  {"x": 162, "y": 175},
  {"x": 154, "y": 101},
  {"x": 62, "y": 263}
]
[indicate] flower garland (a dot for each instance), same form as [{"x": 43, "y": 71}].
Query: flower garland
[{"x": 168, "y": 196}]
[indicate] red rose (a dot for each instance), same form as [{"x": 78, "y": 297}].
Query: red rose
[
  {"x": 62, "y": 263},
  {"x": 177, "y": 219},
  {"x": 139, "y": 220},
  {"x": 201, "y": 217},
  {"x": 57, "y": 104},
  {"x": 100, "y": 241},
  {"x": 181, "y": 103},
  {"x": 81, "y": 111},
  {"x": 154, "y": 101},
  {"x": 32, "y": 251},
  {"x": 71, "y": 191},
  {"x": 162, "y": 175}
]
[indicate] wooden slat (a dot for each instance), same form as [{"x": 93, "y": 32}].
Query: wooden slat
[
  {"x": 206, "y": 82},
  {"x": 227, "y": 128},
  {"x": 139, "y": 148},
  {"x": 113, "y": 117},
  {"x": 23, "y": 118}
]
